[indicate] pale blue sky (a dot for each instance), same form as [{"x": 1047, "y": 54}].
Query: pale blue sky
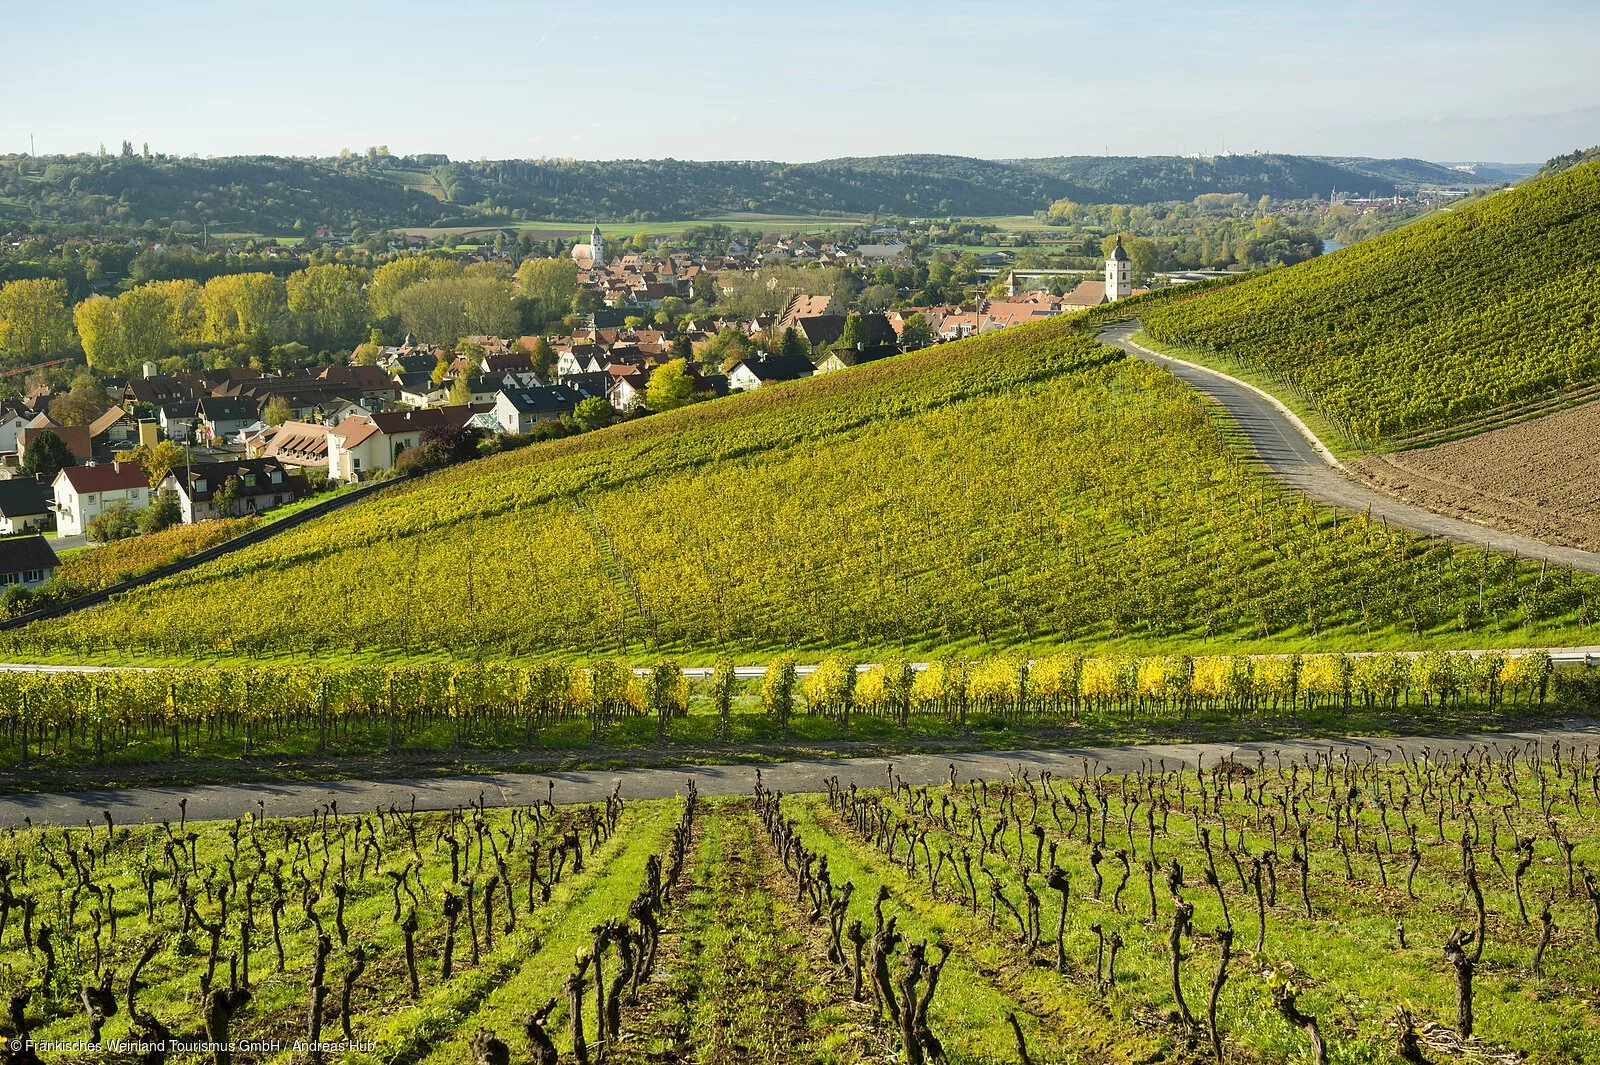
[{"x": 800, "y": 81}]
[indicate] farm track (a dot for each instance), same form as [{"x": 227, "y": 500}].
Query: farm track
[
  {"x": 743, "y": 977},
  {"x": 146, "y": 805},
  {"x": 1294, "y": 456}
]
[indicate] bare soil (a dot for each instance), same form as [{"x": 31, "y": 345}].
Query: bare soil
[{"x": 1537, "y": 478}]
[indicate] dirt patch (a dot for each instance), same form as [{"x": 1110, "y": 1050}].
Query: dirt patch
[{"x": 1536, "y": 478}]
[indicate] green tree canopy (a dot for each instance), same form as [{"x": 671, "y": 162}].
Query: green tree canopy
[
  {"x": 34, "y": 321},
  {"x": 671, "y": 386},
  {"x": 47, "y": 455}
]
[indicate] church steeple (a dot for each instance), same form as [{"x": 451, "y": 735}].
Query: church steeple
[
  {"x": 597, "y": 244},
  {"x": 1119, "y": 274}
]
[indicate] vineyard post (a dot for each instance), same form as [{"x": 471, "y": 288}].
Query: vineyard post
[{"x": 322, "y": 715}]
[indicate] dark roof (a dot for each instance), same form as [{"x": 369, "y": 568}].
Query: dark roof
[
  {"x": 553, "y": 399},
  {"x": 215, "y": 474},
  {"x": 769, "y": 367},
  {"x": 827, "y": 329},
  {"x": 21, "y": 496},
  {"x": 228, "y": 410},
  {"x": 588, "y": 385},
  {"x": 1119, "y": 253},
  {"x": 852, "y": 357},
  {"x": 21, "y": 553}
]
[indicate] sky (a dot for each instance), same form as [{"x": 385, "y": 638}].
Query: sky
[{"x": 797, "y": 81}]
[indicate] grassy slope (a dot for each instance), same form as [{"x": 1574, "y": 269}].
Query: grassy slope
[
  {"x": 1025, "y": 489},
  {"x": 1429, "y": 326}
]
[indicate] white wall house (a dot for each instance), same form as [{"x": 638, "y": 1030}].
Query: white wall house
[
  {"x": 362, "y": 446},
  {"x": 85, "y": 492}
]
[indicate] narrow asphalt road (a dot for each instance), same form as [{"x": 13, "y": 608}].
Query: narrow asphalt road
[
  {"x": 228, "y": 801},
  {"x": 1293, "y": 454}
]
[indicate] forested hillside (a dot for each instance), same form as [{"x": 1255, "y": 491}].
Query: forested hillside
[
  {"x": 1025, "y": 488},
  {"x": 1495, "y": 303},
  {"x": 274, "y": 195}
]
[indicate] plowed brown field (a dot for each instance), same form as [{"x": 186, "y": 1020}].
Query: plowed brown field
[{"x": 1540, "y": 478}]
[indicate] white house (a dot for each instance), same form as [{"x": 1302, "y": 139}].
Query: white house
[
  {"x": 519, "y": 409},
  {"x": 361, "y": 446},
  {"x": 258, "y": 485},
  {"x": 11, "y": 426},
  {"x": 23, "y": 506},
  {"x": 763, "y": 368},
  {"x": 26, "y": 560},
  {"x": 85, "y": 492}
]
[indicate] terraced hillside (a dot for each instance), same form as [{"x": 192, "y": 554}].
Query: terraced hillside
[
  {"x": 1338, "y": 909},
  {"x": 1025, "y": 488},
  {"x": 1493, "y": 305}
]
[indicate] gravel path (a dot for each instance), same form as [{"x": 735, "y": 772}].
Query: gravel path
[
  {"x": 227, "y": 801},
  {"x": 1295, "y": 456}
]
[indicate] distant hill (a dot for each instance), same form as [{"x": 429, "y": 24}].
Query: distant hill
[
  {"x": 283, "y": 196},
  {"x": 1413, "y": 173},
  {"x": 1489, "y": 304}
]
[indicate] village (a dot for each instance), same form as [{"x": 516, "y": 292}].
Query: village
[{"x": 237, "y": 441}]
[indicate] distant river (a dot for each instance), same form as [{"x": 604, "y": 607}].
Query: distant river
[{"x": 1330, "y": 246}]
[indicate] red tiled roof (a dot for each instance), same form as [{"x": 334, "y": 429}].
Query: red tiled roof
[{"x": 106, "y": 477}]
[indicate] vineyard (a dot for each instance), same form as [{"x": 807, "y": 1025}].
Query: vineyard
[
  {"x": 1490, "y": 305},
  {"x": 121, "y": 716},
  {"x": 121, "y": 560},
  {"x": 1029, "y": 488},
  {"x": 1285, "y": 909}
]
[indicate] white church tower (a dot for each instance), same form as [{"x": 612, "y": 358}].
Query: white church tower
[
  {"x": 597, "y": 245},
  {"x": 1119, "y": 274}
]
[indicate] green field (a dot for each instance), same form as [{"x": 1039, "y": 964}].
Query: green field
[{"x": 781, "y": 223}]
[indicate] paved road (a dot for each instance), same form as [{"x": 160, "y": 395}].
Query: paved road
[
  {"x": 1294, "y": 455},
  {"x": 227, "y": 801}
]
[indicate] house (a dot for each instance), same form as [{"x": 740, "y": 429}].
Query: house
[
  {"x": 295, "y": 444},
  {"x": 519, "y": 409},
  {"x": 256, "y": 484},
  {"x": 878, "y": 253},
  {"x": 359, "y": 447},
  {"x": 844, "y": 358},
  {"x": 378, "y": 390},
  {"x": 628, "y": 391},
  {"x": 483, "y": 389},
  {"x": 11, "y": 426},
  {"x": 176, "y": 421},
  {"x": 27, "y": 561},
  {"x": 160, "y": 391},
  {"x": 806, "y": 307},
  {"x": 764, "y": 368},
  {"x": 223, "y": 418},
  {"x": 76, "y": 437},
  {"x": 827, "y": 329},
  {"x": 590, "y": 385},
  {"x": 83, "y": 493},
  {"x": 115, "y": 430},
  {"x": 421, "y": 390},
  {"x": 23, "y": 505},
  {"x": 1086, "y": 294}
]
